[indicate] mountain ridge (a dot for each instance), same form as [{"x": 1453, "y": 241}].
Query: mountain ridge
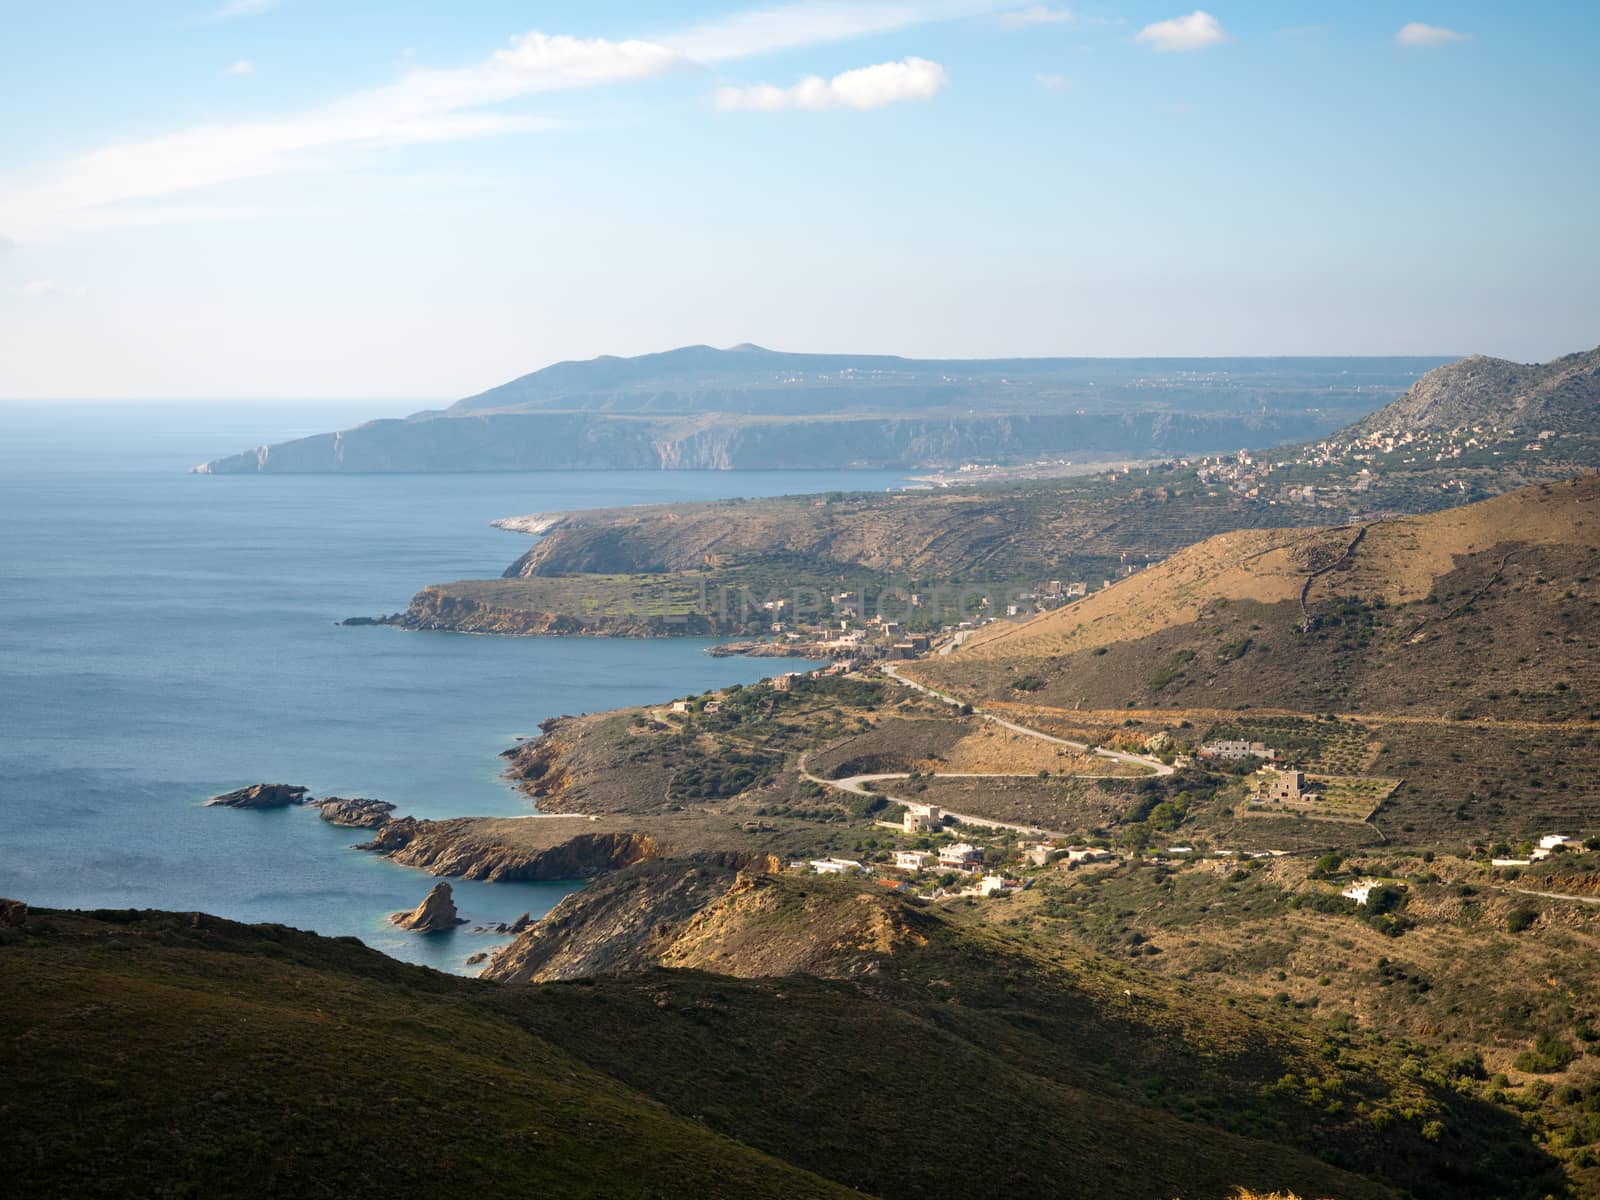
[
  {"x": 1481, "y": 389},
  {"x": 698, "y": 407}
]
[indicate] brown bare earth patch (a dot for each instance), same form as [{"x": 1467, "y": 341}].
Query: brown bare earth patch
[
  {"x": 1065, "y": 805},
  {"x": 992, "y": 748}
]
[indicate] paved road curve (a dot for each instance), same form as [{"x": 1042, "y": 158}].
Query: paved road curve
[{"x": 1142, "y": 760}]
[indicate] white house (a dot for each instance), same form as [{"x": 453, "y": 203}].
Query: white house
[
  {"x": 1237, "y": 748},
  {"x": 836, "y": 866},
  {"x": 1077, "y": 855},
  {"x": 1361, "y": 889},
  {"x": 910, "y": 860},
  {"x": 990, "y": 885},
  {"x": 961, "y": 856},
  {"x": 1551, "y": 840},
  {"x": 1038, "y": 854}
]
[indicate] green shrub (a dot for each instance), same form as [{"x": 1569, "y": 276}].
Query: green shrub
[
  {"x": 1549, "y": 1054},
  {"x": 1521, "y": 918}
]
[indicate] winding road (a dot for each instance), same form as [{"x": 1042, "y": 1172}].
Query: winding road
[
  {"x": 1155, "y": 765},
  {"x": 861, "y": 785}
]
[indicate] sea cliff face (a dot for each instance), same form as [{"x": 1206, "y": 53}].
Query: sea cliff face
[{"x": 724, "y": 442}]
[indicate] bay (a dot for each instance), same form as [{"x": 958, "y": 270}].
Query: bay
[{"x": 166, "y": 636}]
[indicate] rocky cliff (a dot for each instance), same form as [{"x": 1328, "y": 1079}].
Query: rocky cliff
[
  {"x": 570, "y": 442},
  {"x": 748, "y": 923},
  {"x": 626, "y": 922}
]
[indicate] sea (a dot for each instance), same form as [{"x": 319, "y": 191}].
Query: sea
[{"x": 166, "y": 636}]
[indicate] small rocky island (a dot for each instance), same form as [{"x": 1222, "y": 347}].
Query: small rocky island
[{"x": 261, "y": 795}]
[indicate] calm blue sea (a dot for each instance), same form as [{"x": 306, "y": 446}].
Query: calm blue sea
[{"x": 166, "y": 636}]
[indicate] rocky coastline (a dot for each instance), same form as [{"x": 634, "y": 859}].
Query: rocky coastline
[{"x": 437, "y": 610}]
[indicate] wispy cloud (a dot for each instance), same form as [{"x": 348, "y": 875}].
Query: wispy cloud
[
  {"x": 865, "y": 87},
  {"x": 1197, "y": 31},
  {"x": 241, "y": 8},
  {"x": 422, "y": 106},
  {"x": 811, "y": 23},
  {"x": 36, "y": 289},
  {"x": 242, "y": 67},
  {"x": 1420, "y": 36},
  {"x": 1052, "y": 82},
  {"x": 1035, "y": 15},
  {"x": 117, "y": 184}
]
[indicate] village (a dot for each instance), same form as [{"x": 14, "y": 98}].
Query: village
[
  {"x": 943, "y": 856},
  {"x": 852, "y": 638},
  {"x": 1252, "y": 476}
]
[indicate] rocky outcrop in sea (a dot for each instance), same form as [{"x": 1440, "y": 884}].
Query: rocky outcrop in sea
[
  {"x": 356, "y": 811},
  {"x": 436, "y": 913},
  {"x": 261, "y": 795}
]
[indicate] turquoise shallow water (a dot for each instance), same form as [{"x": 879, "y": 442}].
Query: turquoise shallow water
[{"x": 165, "y": 636}]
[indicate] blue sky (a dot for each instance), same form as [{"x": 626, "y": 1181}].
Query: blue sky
[{"x": 303, "y": 198}]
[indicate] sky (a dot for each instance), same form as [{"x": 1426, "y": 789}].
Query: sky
[{"x": 349, "y": 198}]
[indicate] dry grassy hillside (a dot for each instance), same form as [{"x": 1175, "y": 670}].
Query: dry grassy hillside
[
  {"x": 1394, "y": 561},
  {"x": 1463, "y": 649}
]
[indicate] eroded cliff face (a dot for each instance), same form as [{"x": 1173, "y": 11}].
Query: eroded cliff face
[
  {"x": 540, "y": 766},
  {"x": 747, "y": 922},
  {"x": 503, "y": 441},
  {"x": 765, "y": 925},
  {"x": 626, "y": 923}
]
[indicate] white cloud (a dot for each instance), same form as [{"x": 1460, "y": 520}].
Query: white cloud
[
  {"x": 1195, "y": 32},
  {"x": 1052, "y": 82},
  {"x": 865, "y": 87},
  {"x": 1038, "y": 14},
  {"x": 116, "y": 185},
  {"x": 243, "y": 67},
  {"x": 1416, "y": 34}
]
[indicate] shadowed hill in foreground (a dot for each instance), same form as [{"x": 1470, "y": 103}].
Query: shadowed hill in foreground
[
  {"x": 156, "y": 1050},
  {"x": 155, "y": 1053}
]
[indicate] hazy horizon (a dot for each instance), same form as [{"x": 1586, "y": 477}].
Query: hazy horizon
[{"x": 439, "y": 402}]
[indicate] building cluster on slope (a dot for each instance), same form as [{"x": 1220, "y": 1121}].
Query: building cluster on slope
[{"x": 1354, "y": 464}]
